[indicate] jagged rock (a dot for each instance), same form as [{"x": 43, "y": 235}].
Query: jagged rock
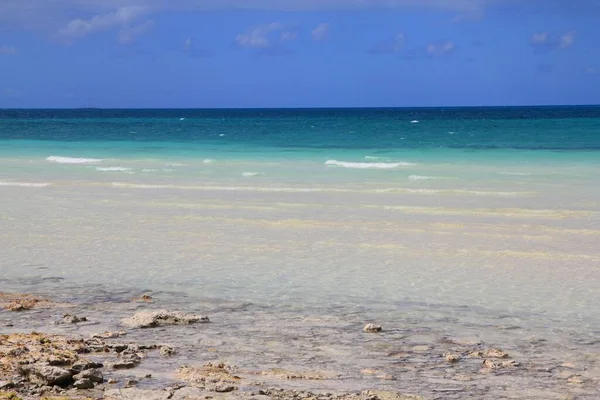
[
  {"x": 83, "y": 365},
  {"x": 452, "y": 358},
  {"x": 83, "y": 383},
  {"x": 167, "y": 351},
  {"x": 109, "y": 335},
  {"x": 47, "y": 375},
  {"x": 152, "y": 319},
  {"x": 93, "y": 375},
  {"x": 6, "y": 385},
  {"x": 73, "y": 319},
  {"x": 131, "y": 382},
  {"x": 372, "y": 328}
]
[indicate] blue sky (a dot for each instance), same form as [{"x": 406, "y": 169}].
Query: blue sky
[{"x": 298, "y": 53}]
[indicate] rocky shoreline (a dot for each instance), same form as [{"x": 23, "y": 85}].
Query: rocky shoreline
[{"x": 36, "y": 365}]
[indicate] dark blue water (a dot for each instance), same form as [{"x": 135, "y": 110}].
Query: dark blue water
[{"x": 527, "y": 128}]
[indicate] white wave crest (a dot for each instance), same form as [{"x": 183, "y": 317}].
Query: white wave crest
[
  {"x": 26, "y": 184},
  {"x": 73, "y": 160},
  {"x": 112, "y": 169},
  {"x": 362, "y": 165},
  {"x": 423, "y": 191},
  {"x": 420, "y": 178},
  {"x": 249, "y": 174},
  {"x": 517, "y": 173},
  {"x": 208, "y": 161}
]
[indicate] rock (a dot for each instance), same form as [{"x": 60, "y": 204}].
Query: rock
[
  {"x": 372, "y": 328},
  {"x": 82, "y": 365},
  {"x": 148, "y": 376},
  {"x": 452, "y": 358},
  {"x": 489, "y": 364},
  {"x": 22, "y": 305},
  {"x": 112, "y": 381},
  {"x": 224, "y": 389},
  {"x": 153, "y": 319},
  {"x": 108, "y": 335},
  {"x": 166, "y": 351},
  {"x": 47, "y": 375},
  {"x": 494, "y": 353},
  {"x": 73, "y": 319},
  {"x": 6, "y": 385},
  {"x": 131, "y": 382},
  {"x": 575, "y": 379},
  {"x": 83, "y": 383},
  {"x": 93, "y": 375}
]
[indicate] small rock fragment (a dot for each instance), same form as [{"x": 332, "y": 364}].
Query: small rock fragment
[
  {"x": 109, "y": 335},
  {"x": 112, "y": 381},
  {"x": 166, "y": 351},
  {"x": 82, "y": 365},
  {"x": 575, "y": 379},
  {"x": 452, "y": 358},
  {"x": 372, "y": 328},
  {"x": 131, "y": 382},
  {"x": 83, "y": 383},
  {"x": 73, "y": 319},
  {"x": 495, "y": 353},
  {"x": 153, "y": 319},
  {"x": 509, "y": 363},
  {"x": 224, "y": 389}
]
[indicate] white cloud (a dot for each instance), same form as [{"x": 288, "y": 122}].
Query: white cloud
[
  {"x": 265, "y": 36},
  {"x": 128, "y": 34},
  {"x": 539, "y": 38},
  {"x": 439, "y": 49},
  {"x": 545, "y": 41},
  {"x": 188, "y": 45},
  {"x": 321, "y": 31},
  {"x": 8, "y": 50},
  {"x": 566, "y": 40},
  {"x": 123, "y": 16}
]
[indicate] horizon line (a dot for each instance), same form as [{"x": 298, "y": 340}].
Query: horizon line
[{"x": 303, "y": 107}]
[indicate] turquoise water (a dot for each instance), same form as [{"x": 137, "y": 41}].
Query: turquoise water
[{"x": 480, "y": 222}]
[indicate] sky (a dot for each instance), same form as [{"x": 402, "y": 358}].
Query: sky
[{"x": 298, "y": 53}]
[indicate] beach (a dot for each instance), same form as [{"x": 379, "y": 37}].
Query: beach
[{"x": 469, "y": 236}]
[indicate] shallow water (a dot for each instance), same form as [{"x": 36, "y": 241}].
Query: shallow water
[{"x": 291, "y": 250}]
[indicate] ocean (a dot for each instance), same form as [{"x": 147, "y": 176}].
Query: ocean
[{"x": 435, "y": 223}]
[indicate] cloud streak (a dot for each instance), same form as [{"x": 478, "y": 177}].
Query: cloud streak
[
  {"x": 266, "y": 37},
  {"x": 321, "y": 32},
  {"x": 544, "y": 41}
]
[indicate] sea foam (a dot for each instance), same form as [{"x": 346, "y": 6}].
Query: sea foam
[
  {"x": 249, "y": 174},
  {"x": 25, "y": 184},
  {"x": 73, "y": 160},
  {"x": 113, "y": 169},
  {"x": 363, "y": 165},
  {"x": 420, "y": 178}
]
